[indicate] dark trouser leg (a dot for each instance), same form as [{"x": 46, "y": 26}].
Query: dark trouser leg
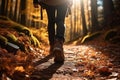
[
  {"x": 60, "y": 30},
  {"x": 51, "y": 24},
  {"x": 60, "y": 18}
]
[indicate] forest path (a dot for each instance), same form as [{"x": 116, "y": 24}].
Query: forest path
[
  {"x": 82, "y": 62},
  {"x": 48, "y": 70}
]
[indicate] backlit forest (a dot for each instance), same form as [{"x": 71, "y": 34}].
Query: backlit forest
[
  {"x": 85, "y": 16},
  {"x": 91, "y": 48}
]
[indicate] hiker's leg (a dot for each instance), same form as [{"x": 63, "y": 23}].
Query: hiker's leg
[
  {"x": 60, "y": 30},
  {"x": 51, "y": 25}
]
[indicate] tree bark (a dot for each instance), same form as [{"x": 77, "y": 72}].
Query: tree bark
[
  {"x": 23, "y": 12},
  {"x": 2, "y": 8},
  {"x": 94, "y": 15},
  {"x": 83, "y": 18},
  {"x": 16, "y": 13},
  {"x": 108, "y": 8}
]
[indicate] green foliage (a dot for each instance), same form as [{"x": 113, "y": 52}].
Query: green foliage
[
  {"x": 11, "y": 38},
  {"x": 110, "y": 34},
  {"x": 4, "y": 18},
  {"x": 27, "y": 31},
  {"x": 18, "y": 28},
  {"x": 3, "y": 40},
  {"x": 35, "y": 41},
  {"x": 23, "y": 29},
  {"x": 90, "y": 37}
]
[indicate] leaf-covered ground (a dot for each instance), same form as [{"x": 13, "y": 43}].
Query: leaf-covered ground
[{"x": 96, "y": 58}]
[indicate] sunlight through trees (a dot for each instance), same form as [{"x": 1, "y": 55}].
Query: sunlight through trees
[{"x": 86, "y": 16}]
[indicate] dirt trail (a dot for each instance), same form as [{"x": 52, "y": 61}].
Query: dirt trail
[{"x": 83, "y": 62}]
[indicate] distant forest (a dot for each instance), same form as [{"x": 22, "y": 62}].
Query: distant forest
[{"x": 86, "y": 16}]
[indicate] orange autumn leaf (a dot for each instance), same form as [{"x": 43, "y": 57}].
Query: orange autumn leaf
[
  {"x": 89, "y": 73},
  {"x": 20, "y": 69}
]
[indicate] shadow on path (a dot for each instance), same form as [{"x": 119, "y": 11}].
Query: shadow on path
[
  {"x": 46, "y": 73},
  {"x": 43, "y": 60}
]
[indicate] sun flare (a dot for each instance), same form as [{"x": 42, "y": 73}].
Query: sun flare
[{"x": 76, "y": 2}]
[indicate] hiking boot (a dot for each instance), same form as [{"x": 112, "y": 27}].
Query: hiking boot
[
  {"x": 58, "y": 51},
  {"x": 51, "y": 49}
]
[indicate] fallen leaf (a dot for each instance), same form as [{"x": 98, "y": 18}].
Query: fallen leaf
[
  {"x": 104, "y": 71},
  {"x": 19, "y": 68}
]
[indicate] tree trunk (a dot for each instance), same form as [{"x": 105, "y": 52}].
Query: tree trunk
[
  {"x": 83, "y": 18},
  {"x": 94, "y": 15},
  {"x": 2, "y": 8},
  {"x": 108, "y": 11},
  {"x": 23, "y": 12},
  {"x": 6, "y": 7},
  {"x": 11, "y": 9},
  {"x": 16, "y": 13}
]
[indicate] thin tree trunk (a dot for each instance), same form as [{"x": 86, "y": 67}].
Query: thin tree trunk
[
  {"x": 17, "y": 10},
  {"x": 75, "y": 22},
  {"x": 6, "y": 7},
  {"x": 2, "y": 8},
  {"x": 83, "y": 18},
  {"x": 23, "y": 12},
  {"x": 71, "y": 25},
  {"x": 11, "y": 9},
  {"x": 89, "y": 15},
  {"x": 94, "y": 15}
]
